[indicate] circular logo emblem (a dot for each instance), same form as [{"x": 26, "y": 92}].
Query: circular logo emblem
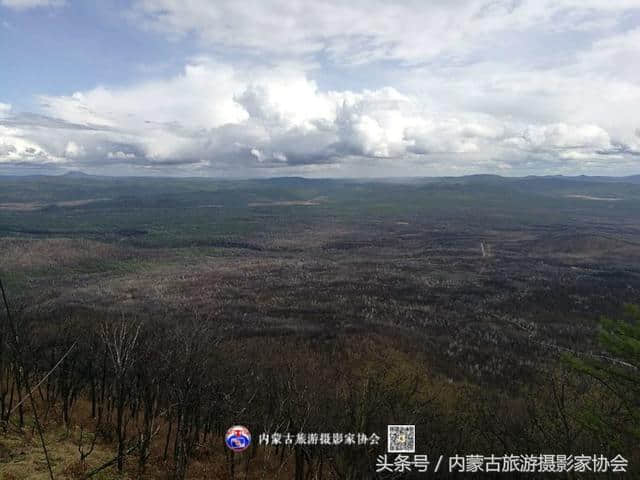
[{"x": 238, "y": 438}]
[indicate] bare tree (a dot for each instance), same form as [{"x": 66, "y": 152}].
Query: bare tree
[{"x": 121, "y": 338}]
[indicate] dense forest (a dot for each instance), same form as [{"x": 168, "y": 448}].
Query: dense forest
[
  {"x": 162, "y": 394},
  {"x": 131, "y": 343}
]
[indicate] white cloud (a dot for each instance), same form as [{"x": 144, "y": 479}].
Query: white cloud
[
  {"x": 257, "y": 154},
  {"x": 16, "y": 148},
  {"x": 5, "y": 109},
  {"x": 562, "y": 136},
  {"x": 121, "y": 155},
  {"x": 217, "y": 118},
  {"x": 361, "y": 31},
  {"x": 449, "y": 84},
  {"x": 73, "y": 150},
  {"x": 201, "y": 97}
]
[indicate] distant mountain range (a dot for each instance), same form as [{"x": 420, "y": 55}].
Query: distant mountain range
[
  {"x": 485, "y": 179},
  {"x": 76, "y": 174}
]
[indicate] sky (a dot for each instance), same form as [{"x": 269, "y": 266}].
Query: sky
[{"x": 364, "y": 88}]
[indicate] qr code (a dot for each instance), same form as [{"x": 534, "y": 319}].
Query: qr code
[{"x": 401, "y": 438}]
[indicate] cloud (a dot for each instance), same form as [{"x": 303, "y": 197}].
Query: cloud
[
  {"x": 28, "y": 4},
  {"x": 120, "y": 155},
  {"x": 362, "y": 31},
  {"x": 282, "y": 86},
  {"x": 5, "y": 109},
  {"x": 16, "y": 149},
  {"x": 574, "y": 144},
  {"x": 73, "y": 150},
  {"x": 562, "y": 136},
  {"x": 218, "y": 119}
]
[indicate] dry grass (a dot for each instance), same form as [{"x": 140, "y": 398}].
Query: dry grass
[
  {"x": 22, "y": 456},
  {"x": 21, "y": 207},
  {"x": 590, "y": 197},
  {"x": 288, "y": 203},
  {"x": 33, "y": 206},
  {"x": 26, "y": 254}
]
